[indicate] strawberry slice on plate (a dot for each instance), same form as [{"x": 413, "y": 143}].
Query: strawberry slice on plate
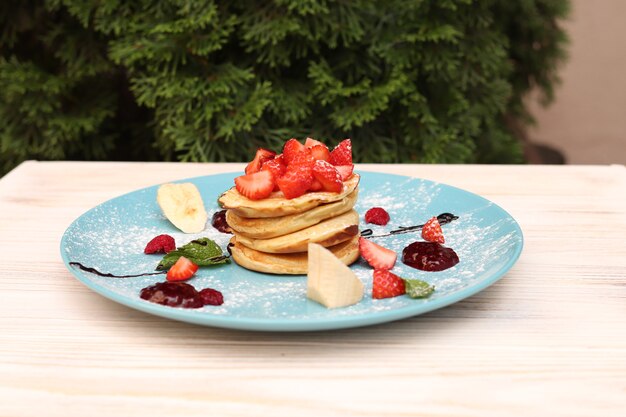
[
  {"x": 255, "y": 186},
  {"x": 377, "y": 256},
  {"x": 328, "y": 176},
  {"x": 262, "y": 155},
  {"x": 182, "y": 270},
  {"x": 431, "y": 231},
  {"x": 387, "y": 284}
]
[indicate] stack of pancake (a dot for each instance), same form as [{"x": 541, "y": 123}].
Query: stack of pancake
[{"x": 272, "y": 235}]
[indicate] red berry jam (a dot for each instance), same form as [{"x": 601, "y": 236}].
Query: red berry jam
[
  {"x": 219, "y": 222},
  {"x": 180, "y": 294},
  {"x": 429, "y": 256}
]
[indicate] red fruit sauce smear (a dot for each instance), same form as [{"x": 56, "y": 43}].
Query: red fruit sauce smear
[
  {"x": 219, "y": 222},
  {"x": 181, "y": 294},
  {"x": 429, "y": 256}
]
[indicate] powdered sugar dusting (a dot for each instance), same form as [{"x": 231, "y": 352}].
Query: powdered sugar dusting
[{"x": 111, "y": 238}]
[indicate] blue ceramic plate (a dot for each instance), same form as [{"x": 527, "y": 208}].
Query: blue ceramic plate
[{"x": 111, "y": 238}]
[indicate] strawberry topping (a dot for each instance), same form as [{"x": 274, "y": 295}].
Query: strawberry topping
[
  {"x": 342, "y": 154},
  {"x": 320, "y": 152},
  {"x": 328, "y": 176},
  {"x": 345, "y": 171},
  {"x": 255, "y": 186},
  {"x": 292, "y": 147},
  {"x": 296, "y": 181},
  {"x": 310, "y": 142},
  {"x": 261, "y": 156}
]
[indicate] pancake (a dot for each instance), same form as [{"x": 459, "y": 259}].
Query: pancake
[
  {"x": 288, "y": 263},
  {"x": 269, "y": 227},
  {"x": 327, "y": 233},
  {"x": 276, "y": 205}
]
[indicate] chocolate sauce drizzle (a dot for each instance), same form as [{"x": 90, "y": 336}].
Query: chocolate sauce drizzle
[
  {"x": 108, "y": 275},
  {"x": 443, "y": 218}
]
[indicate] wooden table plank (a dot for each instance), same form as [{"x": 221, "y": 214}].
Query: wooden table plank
[{"x": 548, "y": 339}]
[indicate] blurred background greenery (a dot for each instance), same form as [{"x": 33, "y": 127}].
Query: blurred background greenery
[{"x": 408, "y": 81}]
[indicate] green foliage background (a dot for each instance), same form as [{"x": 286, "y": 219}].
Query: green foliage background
[{"x": 407, "y": 80}]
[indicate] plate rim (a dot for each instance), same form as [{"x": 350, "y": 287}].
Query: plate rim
[{"x": 291, "y": 324}]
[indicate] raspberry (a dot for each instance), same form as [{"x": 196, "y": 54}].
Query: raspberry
[
  {"x": 160, "y": 244},
  {"x": 212, "y": 297},
  {"x": 377, "y": 215}
]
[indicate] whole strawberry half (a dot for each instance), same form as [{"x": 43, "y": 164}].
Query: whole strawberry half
[
  {"x": 431, "y": 231},
  {"x": 387, "y": 284},
  {"x": 182, "y": 270},
  {"x": 377, "y": 256}
]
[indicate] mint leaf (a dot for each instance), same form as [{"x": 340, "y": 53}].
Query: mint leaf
[
  {"x": 202, "y": 252},
  {"x": 416, "y": 288}
]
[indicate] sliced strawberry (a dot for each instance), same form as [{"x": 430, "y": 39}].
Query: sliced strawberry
[
  {"x": 328, "y": 176},
  {"x": 375, "y": 255},
  {"x": 262, "y": 156},
  {"x": 182, "y": 270},
  {"x": 320, "y": 152},
  {"x": 315, "y": 185},
  {"x": 387, "y": 284},
  {"x": 275, "y": 166},
  {"x": 431, "y": 231},
  {"x": 345, "y": 171},
  {"x": 296, "y": 181},
  {"x": 310, "y": 142},
  {"x": 255, "y": 186},
  {"x": 303, "y": 157},
  {"x": 291, "y": 148},
  {"x": 342, "y": 154}
]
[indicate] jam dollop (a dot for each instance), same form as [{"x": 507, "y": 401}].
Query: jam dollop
[
  {"x": 219, "y": 222},
  {"x": 429, "y": 256},
  {"x": 178, "y": 294}
]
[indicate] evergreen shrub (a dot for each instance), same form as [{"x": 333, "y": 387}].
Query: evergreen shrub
[{"x": 408, "y": 80}]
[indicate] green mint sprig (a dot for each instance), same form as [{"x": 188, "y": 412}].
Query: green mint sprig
[
  {"x": 416, "y": 288},
  {"x": 202, "y": 252}
]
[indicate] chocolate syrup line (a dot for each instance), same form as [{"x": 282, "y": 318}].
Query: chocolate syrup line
[
  {"x": 102, "y": 274},
  {"x": 443, "y": 218}
]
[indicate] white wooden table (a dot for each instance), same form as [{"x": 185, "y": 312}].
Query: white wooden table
[{"x": 549, "y": 339}]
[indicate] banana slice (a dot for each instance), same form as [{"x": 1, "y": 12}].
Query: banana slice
[
  {"x": 183, "y": 206},
  {"x": 329, "y": 281}
]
